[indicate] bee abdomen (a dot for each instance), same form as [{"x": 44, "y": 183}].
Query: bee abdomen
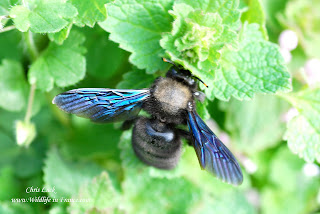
[{"x": 155, "y": 144}]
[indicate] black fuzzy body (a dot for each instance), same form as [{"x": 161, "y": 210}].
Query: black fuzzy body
[
  {"x": 155, "y": 143},
  {"x": 156, "y": 140}
]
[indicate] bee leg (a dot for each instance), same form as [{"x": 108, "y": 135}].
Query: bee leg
[
  {"x": 184, "y": 134},
  {"x": 199, "y": 95},
  {"x": 127, "y": 124}
]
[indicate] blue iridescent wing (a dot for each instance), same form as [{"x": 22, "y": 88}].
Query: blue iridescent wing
[
  {"x": 213, "y": 155},
  {"x": 102, "y": 104}
]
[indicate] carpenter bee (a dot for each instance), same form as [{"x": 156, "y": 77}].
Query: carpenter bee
[{"x": 156, "y": 140}]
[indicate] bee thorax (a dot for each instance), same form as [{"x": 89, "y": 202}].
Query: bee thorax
[{"x": 172, "y": 95}]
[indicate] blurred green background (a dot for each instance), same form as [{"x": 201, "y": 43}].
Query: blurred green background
[{"x": 83, "y": 160}]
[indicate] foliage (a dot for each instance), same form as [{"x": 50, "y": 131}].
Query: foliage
[
  {"x": 56, "y": 62},
  {"x": 261, "y": 130},
  {"x": 12, "y": 82},
  {"x": 303, "y": 131},
  {"x": 50, "y": 46},
  {"x": 306, "y": 25}
]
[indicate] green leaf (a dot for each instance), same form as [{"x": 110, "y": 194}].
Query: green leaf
[
  {"x": 26, "y": 162},
  {"x": 58, "y": 209},
  {"x": 303, "y": 139},
  {"x": 143, "y": 184},
  {"x": 255, "y": 125},
  {"x": 256, "y": 14},
  {"x": 228, "y": 203},
  {"x": 202, "y": 109},
  {"x": 200, "y": 34},
  {"x": 20, "y": 16},
  {"x": 9, "y": 150},
  {"x": 4, "y": 7},
  {"x": 202, "y": 41},
  {"x": 136, "y": 79},
  {"x": 45, "y": 17},
  {"x": 185, "y": 189},
  {"x": 214, "y": 192},
  {"x": 137, "y": 25},
  {"x": 101, "y": 193},
  {"x": 13, "y": 86},
  {"x": 227, "y": 9},
  {"x": 303, "y": 133},
  {"x": 66, "y": 177},
  {"x": 295, "y": 190},
  {"x": 285, "y": 164},
  {"x": 60, "y": 36},
  {"x": 271, "y": 196},
  {"x": 8, "y": 184},
  {"x": 10, "y": 43},
  {"x": 300, "y": 16},
  {"x": 29, "y": 162},
  {"x": 257, "y": 67},
  {"x": 103, "y": 139},
  {"x": 104, "y": 57},
  {"x": 90, "y": 11},
  {"x": 63, "y": 65},
  {"x": 15, "y": 208},
  {"x": 168, "y": 196}
]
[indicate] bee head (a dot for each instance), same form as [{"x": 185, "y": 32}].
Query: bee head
[{"x": 182, "y": 75}]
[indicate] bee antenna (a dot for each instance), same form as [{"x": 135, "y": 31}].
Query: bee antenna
[
  {"x": 201, "y": 81},
  {"x": 169, "y": 61}
]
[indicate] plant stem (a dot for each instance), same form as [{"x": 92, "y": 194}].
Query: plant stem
[
  {"x": 289, "y": 98},
  {"x": 25, "y": 4},
  {"x": 7, "y": 28},
  {"x": 33, "y": 54},
  {"x": 30, "y": 102},
  {"x": 31, "y": 47}
]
